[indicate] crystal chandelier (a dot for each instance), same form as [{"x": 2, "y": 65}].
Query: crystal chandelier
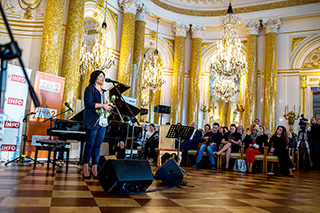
[
  {"x": 152, "y": 69},
  {"x": 224, "y": 89},
  {"x": 101, "y": 57},
  {"x": 229, "y": 64}
]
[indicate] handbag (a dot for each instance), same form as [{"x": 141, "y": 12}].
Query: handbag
[{"x": 240, "y": 165}]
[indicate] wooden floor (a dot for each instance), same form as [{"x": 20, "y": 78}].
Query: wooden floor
[{"x": 24, "y": 190}]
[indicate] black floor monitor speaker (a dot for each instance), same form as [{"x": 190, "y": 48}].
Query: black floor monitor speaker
[
  {"x": 125, "y": 176},
  {"x": 162, "y": 109},
  {"x": 170, "y": 173}
]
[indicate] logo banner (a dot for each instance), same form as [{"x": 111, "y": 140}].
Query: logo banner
[
  {"x": 14, "y": 110},
  {"x": 49, "y": 89}
]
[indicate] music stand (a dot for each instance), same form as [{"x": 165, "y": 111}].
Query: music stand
[{"x": 180, "y": 132}]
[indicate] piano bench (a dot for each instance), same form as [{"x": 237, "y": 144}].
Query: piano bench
[{"x": 55, "y": 147}]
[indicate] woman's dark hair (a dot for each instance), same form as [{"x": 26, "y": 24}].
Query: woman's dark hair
[
  {"x": 94, "y": 75},
  {"x": 208, "y": 126},
  {"x": 284, "y": 134},
  {"x": 152, "y": 126}
]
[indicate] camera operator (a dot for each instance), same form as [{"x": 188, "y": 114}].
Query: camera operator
[{"x": 314, "y": 141}]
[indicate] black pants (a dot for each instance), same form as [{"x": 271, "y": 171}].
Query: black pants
[
  {"x": 152, "y": 145},
  {"x": 284, "y": 161}
]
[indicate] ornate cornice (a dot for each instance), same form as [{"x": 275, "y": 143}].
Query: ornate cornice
[
  {"x": 272, "y": 25},
  {"x": 128, "y": 6},
  {"x": 180, "y": 29},
  {"x": 252, "y": 27},
  {"x": 142, "y": 13},
  {"x": 197, "y": 31},
  {"x": 236, "y": 10}
]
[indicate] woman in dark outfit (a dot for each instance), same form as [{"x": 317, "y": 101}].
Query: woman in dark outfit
[
  {"x": 94, "y": 124},
  {"x": 231, "y": 141},
  {"x": 279, "y": 142}
]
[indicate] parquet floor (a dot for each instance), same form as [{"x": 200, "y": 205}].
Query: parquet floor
[{"x": 24, "y": 190}]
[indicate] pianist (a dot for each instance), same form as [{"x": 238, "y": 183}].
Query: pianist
[{"x": 94, "y": 124}]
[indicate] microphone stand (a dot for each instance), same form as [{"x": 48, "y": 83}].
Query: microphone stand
[
  {"x": 133, "y": 120},
  {"x": 23, "y": 156},
  {"x": 7, "y": 52}
]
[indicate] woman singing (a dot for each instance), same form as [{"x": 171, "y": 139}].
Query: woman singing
[
  {"x": 94, "y": 124},
  {"x": 279, "y": 142}
]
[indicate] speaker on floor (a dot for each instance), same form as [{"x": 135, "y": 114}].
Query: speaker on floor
[
  {"x": 162, "y": 109},
  {"x": 170, "y": 173},
  {"x": 125, "y": 176}
]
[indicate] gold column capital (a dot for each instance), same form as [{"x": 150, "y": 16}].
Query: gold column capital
[{"x": 303, "y": 81}]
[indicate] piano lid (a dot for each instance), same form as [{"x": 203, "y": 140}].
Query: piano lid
[
  {"x": 121, "y": 87},
  {"x": 78, "y": 116}
]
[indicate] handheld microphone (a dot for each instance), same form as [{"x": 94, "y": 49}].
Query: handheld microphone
[
  {"x": 108, "y": 80},
  {"x": 67, "y": 105}
]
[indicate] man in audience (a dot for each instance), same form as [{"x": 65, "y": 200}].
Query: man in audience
[
  {"x": 314, "y": 142},
  {"x": 211, "y": 140},
  {"x": 257, "y": 121},
  {"x": 191, "y": 143}
]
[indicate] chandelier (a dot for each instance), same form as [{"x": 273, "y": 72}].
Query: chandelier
[
  {"x": 229, "y": 64},
  {"x": 100, "y": 57},
  {"x": 224, "y": 89},
  {"x": 152, "y": 69}
]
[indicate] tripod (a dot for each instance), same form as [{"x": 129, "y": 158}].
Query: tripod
[{"x": 23, "y": 156}]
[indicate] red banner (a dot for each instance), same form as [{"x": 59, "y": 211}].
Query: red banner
[{"x": 49, "y": 89}]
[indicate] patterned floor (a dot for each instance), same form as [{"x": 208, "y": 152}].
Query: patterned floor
[{"x": 24, "y": 190}]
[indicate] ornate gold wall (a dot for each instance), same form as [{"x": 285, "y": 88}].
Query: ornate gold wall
[{"x": 51, "y": 38}]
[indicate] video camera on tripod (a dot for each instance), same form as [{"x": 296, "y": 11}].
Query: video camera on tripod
[{"x": 301, "y": 123}]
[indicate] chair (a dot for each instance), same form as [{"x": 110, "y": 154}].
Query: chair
[{"x": 166, "y": 145}]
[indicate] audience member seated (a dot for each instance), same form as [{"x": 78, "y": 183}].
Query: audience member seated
[
  {"x": 314, "y": 142},
  {"x": 231, "y": 142},
  {"x": 191, "y": 143},
  {"x": 263, "y": 136},
  {"x": 278, "y": 146},
  {"x": 253, "y": 146},
  {"x": 211, "y": 142},
  {"x": 151, "y": 143},
  {"x": 220, "y": 129},
  {"x": 240, "y": 131}
]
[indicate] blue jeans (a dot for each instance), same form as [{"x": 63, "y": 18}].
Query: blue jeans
[
  {"x": 210, "y": 150},
  {"x": 93, "y": 144}
]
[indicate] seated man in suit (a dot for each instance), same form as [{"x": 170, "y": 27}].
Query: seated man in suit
[{"x": 191, "y": 143}]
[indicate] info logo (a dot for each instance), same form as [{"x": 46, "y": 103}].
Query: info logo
[
  {"x": 14, "y": 101},
  {"x": 8, "y": 148},
  {"x": 12, "y": 124},
  {"x": 17, "y": 78}
]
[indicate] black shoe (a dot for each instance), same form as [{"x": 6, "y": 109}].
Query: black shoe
[
  {"x": 213, "y": 167},
  {"x": 216, "y": 154},
  {"x": 195, "y": 166},
  {"x": 86, "y": 177},
  {"x": 94, "y": 177}
]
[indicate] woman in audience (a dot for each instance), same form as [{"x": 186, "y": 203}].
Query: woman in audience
[
  {"x": 240, "y": 131},
  {"x": 231, "y": 142},
  {"x": 225, "y": 130},
  {"x": 253, "y": 146},
  {"x": 220, "y": 129},
  {"x": 152, "y": 142},
  {"x": 263, "y": 136},
  {"x": 279, "y": 142}
]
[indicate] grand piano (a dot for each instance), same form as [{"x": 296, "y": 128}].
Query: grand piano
[{"x": 118, "y": 129}]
